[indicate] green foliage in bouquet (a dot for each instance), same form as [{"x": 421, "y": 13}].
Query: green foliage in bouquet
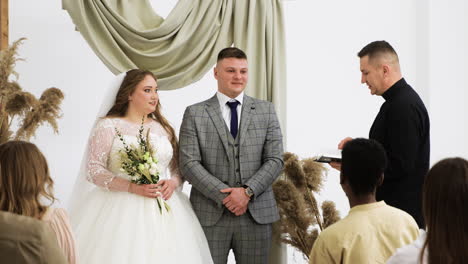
[
  {"x": 300, "y": 217},
  {"x": 140, "y": 163},
  {"x": 18, "y": 106}
]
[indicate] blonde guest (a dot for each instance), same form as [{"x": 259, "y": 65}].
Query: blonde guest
[{"x": 24, "y": 183}]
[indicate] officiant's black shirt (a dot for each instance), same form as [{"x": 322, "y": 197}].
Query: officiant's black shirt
[{"x": 402, "y": 127}]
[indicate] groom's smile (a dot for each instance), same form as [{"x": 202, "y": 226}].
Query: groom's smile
[{"x": 232, "y": 76}]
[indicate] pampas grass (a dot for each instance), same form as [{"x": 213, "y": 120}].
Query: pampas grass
[
  {"x": 300, "y": 218},
  {"x": 20, "y": 106}
]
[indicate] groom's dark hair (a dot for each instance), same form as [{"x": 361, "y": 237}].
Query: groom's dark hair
[{"x": 231, "y": 52}]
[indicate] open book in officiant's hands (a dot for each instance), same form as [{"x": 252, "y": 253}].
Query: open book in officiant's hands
[
  {"x": 327, "y": 159},
  {"x": 330, "y": 156}
]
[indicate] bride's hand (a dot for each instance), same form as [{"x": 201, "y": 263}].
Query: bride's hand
[
  {"x": 147, "y": 190},
  {"x": 167, "y": 188}
]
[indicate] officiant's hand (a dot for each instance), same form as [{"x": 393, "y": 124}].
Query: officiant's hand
[
  {"x": 147, "y": 190},
  {"x": 343, "y": 142},
  {"x": 337, "y": 165},
  {"x": 237, "y": 201},
  {"x": 167, "y": 188}
]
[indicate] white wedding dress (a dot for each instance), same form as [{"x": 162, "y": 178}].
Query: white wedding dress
[{"x": 115, "y": 226}]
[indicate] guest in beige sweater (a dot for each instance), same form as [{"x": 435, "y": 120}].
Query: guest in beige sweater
[{"x": 24, "y": 183}]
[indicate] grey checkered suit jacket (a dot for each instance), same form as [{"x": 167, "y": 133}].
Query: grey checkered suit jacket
[{"x": 208, "y": 165}]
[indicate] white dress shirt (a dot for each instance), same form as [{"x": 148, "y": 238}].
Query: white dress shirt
[{"x": 226, "y": 111}]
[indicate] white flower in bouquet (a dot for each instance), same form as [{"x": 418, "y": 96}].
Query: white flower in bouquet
[{"x": 153, "y": 169}]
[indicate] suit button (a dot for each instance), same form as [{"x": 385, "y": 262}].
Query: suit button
[
  {"x": 236, "y": 145},
  {"x": 238, "y": 183},
  {"x": 237, "y": 170},
  {"x": 237, "y": 156},
  {"x": 225, "y": 182}
]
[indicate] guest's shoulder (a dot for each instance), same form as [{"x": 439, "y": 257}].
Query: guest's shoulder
[
  {"x": 396, "y": 211},
  {"x": 19, "y": 226},
  {"x": 335, "y": 232},
  {"x": 56, "y": 215},
  {"x": 60, "y": 213},
  {"x": 398, "y": 216}
]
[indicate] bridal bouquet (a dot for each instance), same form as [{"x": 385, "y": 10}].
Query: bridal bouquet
[{"x": 140, "y": 163}]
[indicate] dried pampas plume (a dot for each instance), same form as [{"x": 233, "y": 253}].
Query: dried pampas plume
[
  {"x": 300, "y": 218},
  {"x": 20, "y": 106}
]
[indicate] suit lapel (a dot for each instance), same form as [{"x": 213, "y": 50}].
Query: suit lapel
[
  {"x": 212, "y": 107},
  {"x": 247, "y": 110}
]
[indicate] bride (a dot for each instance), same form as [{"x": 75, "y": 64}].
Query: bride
[{"x": 117, "y": 221}]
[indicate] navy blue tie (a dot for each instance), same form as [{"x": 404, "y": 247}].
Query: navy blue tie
[{"x": 233, "y": 106}]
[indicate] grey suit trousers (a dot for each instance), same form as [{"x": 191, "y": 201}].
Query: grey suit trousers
[{"x": 249, "y": 240}]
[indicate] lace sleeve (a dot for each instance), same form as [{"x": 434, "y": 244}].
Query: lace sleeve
[{"x": 100, "y": 144}]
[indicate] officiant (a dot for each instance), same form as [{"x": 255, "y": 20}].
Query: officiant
[{"x": 401, "y": 126}]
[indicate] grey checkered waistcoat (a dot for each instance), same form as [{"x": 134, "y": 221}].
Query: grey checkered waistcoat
[{"x": 206, "y": 162}]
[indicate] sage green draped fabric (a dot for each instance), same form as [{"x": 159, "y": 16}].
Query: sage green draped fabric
[{"x": 180, "y": 49}]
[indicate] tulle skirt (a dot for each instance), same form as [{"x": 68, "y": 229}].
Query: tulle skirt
[{"x": 119, "y": 227}]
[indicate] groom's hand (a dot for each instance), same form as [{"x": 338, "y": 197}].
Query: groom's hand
[{"x": 237, "y": 201}]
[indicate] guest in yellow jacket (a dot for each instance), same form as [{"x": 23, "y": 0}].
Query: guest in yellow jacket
[{"x": 372, "y": 230}]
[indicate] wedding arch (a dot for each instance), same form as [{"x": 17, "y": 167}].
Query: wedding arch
[{"x": 183, "y": 47}]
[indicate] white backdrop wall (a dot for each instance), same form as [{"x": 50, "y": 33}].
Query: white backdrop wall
[
  {"x": 448, "y": 78},
  {"x": 326, "y": 101}
]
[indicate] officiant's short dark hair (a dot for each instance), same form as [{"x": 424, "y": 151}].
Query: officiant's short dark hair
[
  {"x": 231, "y": 52},
  {"x": 363, "y": 162},
  {"x": 377, "y": 48}
]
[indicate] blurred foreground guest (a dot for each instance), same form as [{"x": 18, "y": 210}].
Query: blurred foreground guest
[
  {"x": 445, "y": 197},
  {"x": 373, "y": 230},
  {"x": 25, "y": 240},
  {"x": 24, "y": 182}
]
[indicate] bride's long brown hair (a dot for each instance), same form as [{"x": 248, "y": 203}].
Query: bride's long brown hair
[
  {"x": 24, "y": 179},
  {"x": 120, "y": 107}
]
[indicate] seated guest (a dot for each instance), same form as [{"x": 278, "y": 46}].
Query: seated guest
[
  {"x": 24, "y": 183},
  {"x": 372, "y": 230},
  {"x": 25, "y": 240},
  {"x": 445, "y": 200}
]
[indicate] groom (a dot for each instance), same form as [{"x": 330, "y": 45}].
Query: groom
[{"x": 231, "y": 152}]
